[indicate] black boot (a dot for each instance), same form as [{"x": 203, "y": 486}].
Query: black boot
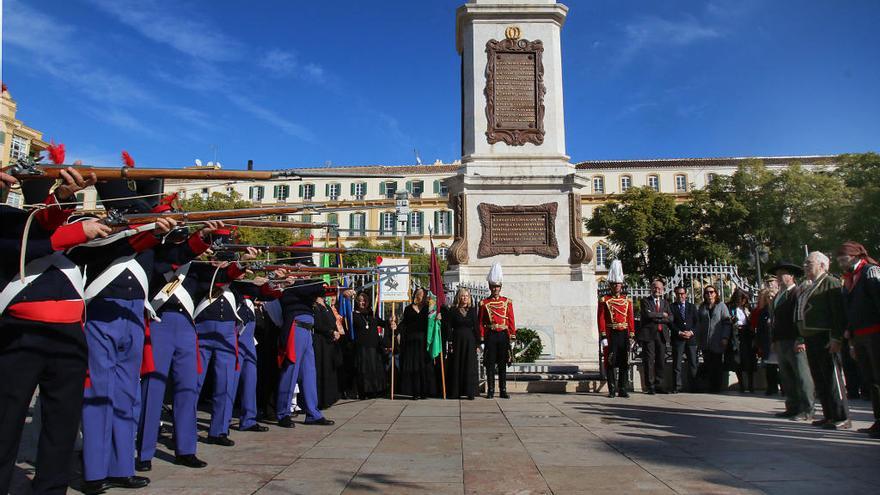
[
  {"x": 622, "y": 383},
  {"x": 490, "y": 384},
  {"x": 502, "y": 380},
  {"x": 611, "y": 380}
]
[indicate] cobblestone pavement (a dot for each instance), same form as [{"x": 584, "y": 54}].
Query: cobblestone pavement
[{"x": 537, "y": 443}]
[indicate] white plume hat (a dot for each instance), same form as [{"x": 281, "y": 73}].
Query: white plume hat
[
  {"x": 495, "y": 276},
  {"x": 615, "y": 273}
]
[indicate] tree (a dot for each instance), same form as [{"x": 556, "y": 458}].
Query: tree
[
  {"x": 247, "y": 235},
  {"x": 643, "y": 225},
  {"x": 860, "y": 174}
]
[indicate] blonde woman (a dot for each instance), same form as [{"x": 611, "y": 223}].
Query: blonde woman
[{"x": 460, "y": 325}]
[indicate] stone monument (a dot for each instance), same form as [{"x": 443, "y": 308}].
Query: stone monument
[{"x": 517, "y": 197}]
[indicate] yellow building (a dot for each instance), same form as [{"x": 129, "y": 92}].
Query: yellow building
[{"x": 16, "y": 139}]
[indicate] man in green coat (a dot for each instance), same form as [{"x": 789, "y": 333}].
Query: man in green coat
[{"x": 820, "y": 321}]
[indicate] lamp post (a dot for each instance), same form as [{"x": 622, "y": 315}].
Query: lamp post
[{"x": 402, "y": 209}]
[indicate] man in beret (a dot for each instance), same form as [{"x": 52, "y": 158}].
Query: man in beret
[{"x": 861, "y": 294}]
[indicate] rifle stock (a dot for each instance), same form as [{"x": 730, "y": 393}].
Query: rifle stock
[{"x": 25, "y": 169}]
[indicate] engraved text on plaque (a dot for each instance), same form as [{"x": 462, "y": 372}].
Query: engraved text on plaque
[{"x": 518, "y": 230}]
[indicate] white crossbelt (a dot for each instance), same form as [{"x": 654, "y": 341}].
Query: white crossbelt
[
  {"x": 175, "y": 287},
  {"x": 226, "y": 294},
  {"x": 37, "y": 267},
  {"x": 112, "y": 272}
]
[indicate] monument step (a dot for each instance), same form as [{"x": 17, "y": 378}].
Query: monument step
[{"x": 543, "y": 368}]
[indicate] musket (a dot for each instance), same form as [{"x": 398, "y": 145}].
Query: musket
[
  {"x": 303, "y": 249},
  {"x": 27, "y": 168},
  {"x": 281, "y": 225},
  {"x": 308, "y": 270},
  {"x": 115, "y": 218}
]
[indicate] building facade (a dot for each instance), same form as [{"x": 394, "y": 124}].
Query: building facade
[{"x": 17, "y": 140}]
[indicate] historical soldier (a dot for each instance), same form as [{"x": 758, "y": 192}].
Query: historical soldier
[
  {"x": 653, "y": 334},
  {"x": 245, "y": 294},
  {"x": 497, "y": 331},
  {"x": 217, "y": 323},
  {"x": 820, "y": 321},
  {"x": 171, "y": 350},
  {"x": 861, "y": 290},
  {"x": 793, "y": 368},
  {"x": 41, "y": 334},
  {"x": 116, "y": 297},
  {"x": 296, "y": 354},
  {"x": 616, "y": 331}
]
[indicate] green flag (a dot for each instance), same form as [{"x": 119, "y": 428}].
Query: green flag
[
  {"x": 435, "y": 339},
  {"x": 325, "y": 263}
]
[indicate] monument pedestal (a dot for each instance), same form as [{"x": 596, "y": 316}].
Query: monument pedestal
[{"x": 516, "y": 198}]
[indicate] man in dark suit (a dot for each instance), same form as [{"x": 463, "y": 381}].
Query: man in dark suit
[
  {"x": 656, "y": 315},
  {"x": 684, "y": 343}
]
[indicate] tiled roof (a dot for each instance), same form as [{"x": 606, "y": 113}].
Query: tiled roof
[
  {"x": 390, "y": 169},
  {"x": 705, "y": 162}
]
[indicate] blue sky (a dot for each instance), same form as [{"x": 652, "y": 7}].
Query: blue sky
[{"x": 290, "y": 83}]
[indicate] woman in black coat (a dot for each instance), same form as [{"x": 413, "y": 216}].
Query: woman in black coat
[
  {"x": 368, "y": 349},
  {"x": 416, "y": 365},
  {"x": 325, "y": 336},
  {"x": 460, "y": 326}
]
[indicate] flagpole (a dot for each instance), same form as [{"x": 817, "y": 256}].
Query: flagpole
[
  {"x": 393, "y": 338},
  {"x": 437, "y": 308}
]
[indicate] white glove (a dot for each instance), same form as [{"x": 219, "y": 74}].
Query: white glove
[{"x": 604, "y": 342}]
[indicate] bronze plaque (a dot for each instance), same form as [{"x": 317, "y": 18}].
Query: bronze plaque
[
  {"x": 518, "y": 230},
  {"x": 515, "y": 92}
]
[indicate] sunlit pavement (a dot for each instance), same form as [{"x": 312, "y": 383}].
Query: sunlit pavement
[{"x": 537, "y": 443}]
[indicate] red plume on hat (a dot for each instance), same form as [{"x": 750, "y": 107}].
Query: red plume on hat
[
  {"x": 56, "y": 153},
  {"x": 127, "y": 160},
  {"x": 165, "y": 204},
  {"x": 304, "y": 242}
]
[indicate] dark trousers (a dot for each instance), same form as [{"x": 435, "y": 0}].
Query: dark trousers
[
  {"x": 617, "y": 361},
  {"x": 497, "y": 353},
  {"x": 714, "y": 363},
  {"x": 868, "y": 356},
  {"x": 55, "y": 358},
  {"x": 827, "y": 377},
  {"x": 796, "y": 380},
  {"x": 654, "y": 359},
  {"x": 680, "y": 350}
]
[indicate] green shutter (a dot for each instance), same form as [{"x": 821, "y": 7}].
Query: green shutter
[
  {"x": 382, "y": 188},
  {"x": 382, "y": 223},
  {"x": 409, "y": 186},
  {"x": 436, "y": 222},
  {"x": 421, "y": 222},
  {"x": 251, "y": 192},
  {"x": 327, "y": 190},
  {"x": 352, "y": 188},
  {"x": 300, "y": 190},
  {"x": 351, "y": 224},
  {"x": 436, "y": 187},
  {"x": 365, "y": 189}
]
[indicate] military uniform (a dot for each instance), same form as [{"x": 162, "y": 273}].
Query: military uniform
[
  {"x": 862, "y": 300},
  {"x": 497, "y": 327},
  {"x": 616, "y": 328}
]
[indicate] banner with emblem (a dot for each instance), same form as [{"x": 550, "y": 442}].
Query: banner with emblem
[{"x": 394, "y": 279}]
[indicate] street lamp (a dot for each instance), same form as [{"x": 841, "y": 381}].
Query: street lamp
[{"x": 402, "y": 209}]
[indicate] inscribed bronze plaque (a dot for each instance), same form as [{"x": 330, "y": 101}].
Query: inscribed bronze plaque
[
  {"x": 518, "y": 230},
  {"x": 515, "y": 92}
]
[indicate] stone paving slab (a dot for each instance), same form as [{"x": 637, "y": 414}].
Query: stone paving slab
[{"x": 534, "y": 444}]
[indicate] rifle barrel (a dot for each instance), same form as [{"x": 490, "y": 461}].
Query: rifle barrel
[
  {"x": 282, "y": 249},
  {"x": 313, "y": 269},
  {"x": 201, "y": 216},
  {"x": 281, "y": 225}
]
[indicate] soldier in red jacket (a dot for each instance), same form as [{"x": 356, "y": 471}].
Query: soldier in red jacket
[
  {"x": 616, "y": 331},
  {"x": 497, "y": 330}
]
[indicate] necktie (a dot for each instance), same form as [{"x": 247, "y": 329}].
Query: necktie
[{"x": 681, "y": 311}]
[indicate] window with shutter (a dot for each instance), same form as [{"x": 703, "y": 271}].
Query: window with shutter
[
  {"x": 308, "y": 191},
  {"x": 418, "y": 187}
]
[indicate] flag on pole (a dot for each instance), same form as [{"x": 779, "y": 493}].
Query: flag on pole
[{"x": 436, "y": 303}]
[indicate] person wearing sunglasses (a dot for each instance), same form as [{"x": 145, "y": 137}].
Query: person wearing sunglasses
[{"x": 713, "y": 332}]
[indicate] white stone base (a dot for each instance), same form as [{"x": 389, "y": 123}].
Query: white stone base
[{"x": 561, "y": 310}]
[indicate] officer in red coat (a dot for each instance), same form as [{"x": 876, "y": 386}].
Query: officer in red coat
[
  {"x": 616, "y": 331},
  {"x": 497, "y": 330}
]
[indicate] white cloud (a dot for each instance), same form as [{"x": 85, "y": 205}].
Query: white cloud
[
  {"x": 651, "y": 32},
  {"x": 269, "y": 116},
  {"x": 182, "y": 31},
  {"x": 279, "y": 62}
]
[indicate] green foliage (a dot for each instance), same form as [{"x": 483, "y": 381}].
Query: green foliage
[
  {"x": 783, "y": 211},
  {"x": 528, "y": 339},
  {"x": 247, "y": 235}
]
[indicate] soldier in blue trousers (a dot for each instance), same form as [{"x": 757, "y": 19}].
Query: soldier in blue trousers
[
  {"x": 246, "y": 293},
  {"x": 217, "y": 323},
  {"x": 296, "y": 353},
  {"x": 173, "y": 342},
  {"x": 115, "y": 295}
]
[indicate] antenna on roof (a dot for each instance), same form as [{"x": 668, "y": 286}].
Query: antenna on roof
[{"x": 418, "y": 158}]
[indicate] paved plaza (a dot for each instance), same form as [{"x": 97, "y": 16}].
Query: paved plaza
[{"x": 537, "y": 443}]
